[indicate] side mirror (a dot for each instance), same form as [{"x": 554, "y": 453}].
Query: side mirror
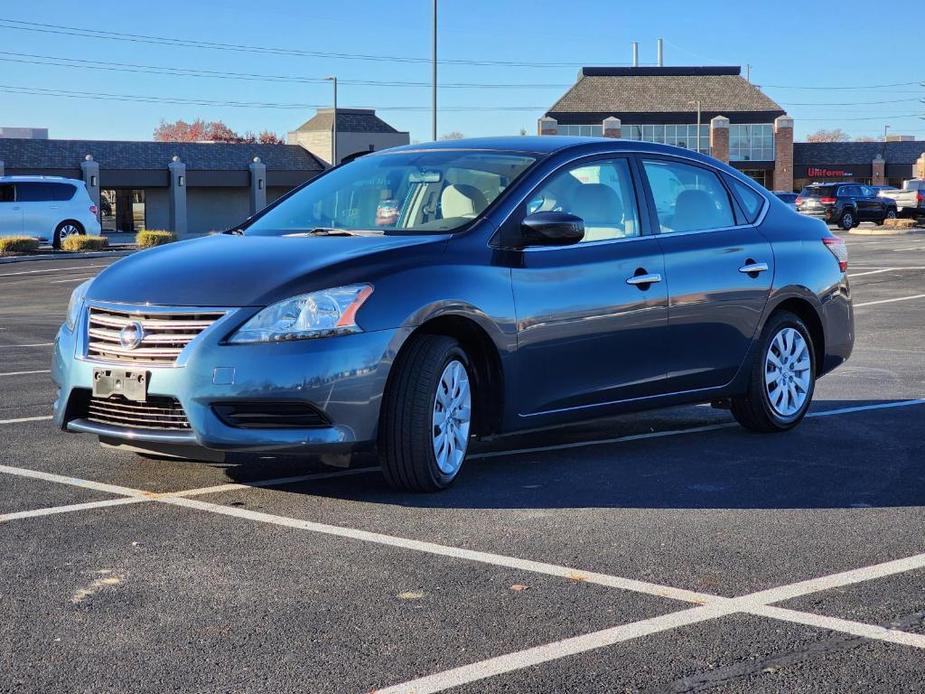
[{"x": 552, "y": 229}]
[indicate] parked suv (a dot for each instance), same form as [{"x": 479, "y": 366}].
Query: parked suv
[
  {"x": 845, "y": 204},
  {"x": 48, "y": 208}
]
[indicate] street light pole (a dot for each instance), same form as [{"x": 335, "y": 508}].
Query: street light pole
[
  {"x": 885, "y": 129},
  {"x": 333, "y": 79},
  {"x": 433, "y": 105}
]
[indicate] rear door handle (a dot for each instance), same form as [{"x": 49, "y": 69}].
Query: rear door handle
[
  {"x": 753, "y": 268},
  {"x": 652, "y": 278}
]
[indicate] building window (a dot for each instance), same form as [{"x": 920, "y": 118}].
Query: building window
[
  {"x": 582, "y": 130},
  {"x": 680, "y": 135},
  {"x": 751, "y": 142}
]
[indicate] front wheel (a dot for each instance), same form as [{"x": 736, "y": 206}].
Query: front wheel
[
  {"x": 783, "y": 377},
  {"x": 426, "y": 415},
  {"x": 890, "y": 214}
]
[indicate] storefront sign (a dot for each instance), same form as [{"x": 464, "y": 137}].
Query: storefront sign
[{"x": 817, "y": 172}]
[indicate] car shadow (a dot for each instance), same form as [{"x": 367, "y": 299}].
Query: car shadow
[{"x": 872, "y": 458}]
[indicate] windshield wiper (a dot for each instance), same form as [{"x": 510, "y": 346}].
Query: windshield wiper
[{"x": 330, "y": 231}]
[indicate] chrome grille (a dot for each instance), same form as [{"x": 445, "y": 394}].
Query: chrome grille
[
  {"x": 165, "y": 334},
  {"x": 155, "y": 413}
]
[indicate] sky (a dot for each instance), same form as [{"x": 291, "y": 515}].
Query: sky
[{"x": 802, "y": 56}]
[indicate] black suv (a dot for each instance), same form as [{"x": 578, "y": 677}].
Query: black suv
[{"x": 845, "y": 204}]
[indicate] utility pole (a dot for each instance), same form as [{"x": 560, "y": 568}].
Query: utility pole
[
  {"x": 748, "y": 73},
  {"x": 334, "y": 123},
  {"x": 697, "y": 149},
  {"x": 433, "y": 105}
]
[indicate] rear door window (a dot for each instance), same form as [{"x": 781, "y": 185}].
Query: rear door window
[
  {"x": 40, "y": 191},
  {"x": 688, "y": 198},
  {"x": 6, "y": 193}
]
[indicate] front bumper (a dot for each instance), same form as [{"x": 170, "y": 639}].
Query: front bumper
[{"x": 343, "y": 377}]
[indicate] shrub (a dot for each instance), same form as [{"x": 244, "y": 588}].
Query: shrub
[
  {"x": 149, "y": 237},
  {"x": 18, "y": 244},
  {"x": 77, "y": 242}
]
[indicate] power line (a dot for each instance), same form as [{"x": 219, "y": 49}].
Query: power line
[
  {"x": 57, "y": 61},
  {"x": 142, "y": 98},
  {"x": 856, "y": 103},
  {"x": 245, "y": 48},
  {"x": 856, "y": 87}
]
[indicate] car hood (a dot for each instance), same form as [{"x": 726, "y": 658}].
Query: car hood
[{"x": 229, "y": 270}]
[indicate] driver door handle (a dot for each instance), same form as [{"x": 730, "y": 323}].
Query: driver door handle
[
  {"x": 753, "y": 268},
  {"x": 652, "y": 278}
]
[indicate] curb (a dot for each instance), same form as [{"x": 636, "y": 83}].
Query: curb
[
  {"x": 881, "y": 231},
  {"x": 118, "y": 253}
]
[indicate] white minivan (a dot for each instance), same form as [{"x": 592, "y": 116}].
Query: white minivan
[{"x": 46, "y": 207}]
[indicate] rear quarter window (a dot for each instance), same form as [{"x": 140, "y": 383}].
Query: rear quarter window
[{"x": 751, "y": 202}]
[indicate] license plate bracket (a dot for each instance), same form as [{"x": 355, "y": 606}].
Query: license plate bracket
[{"x": 132, "y": 385}]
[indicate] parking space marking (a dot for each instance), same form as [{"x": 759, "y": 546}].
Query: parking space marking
[
  {"x": 72, "y": 279},
  {"x": 276, "y": 482},
  {"x": 20, "y": 420},
  {"x": 871, "y": 272},
  {"x": 75, "y": 481},
  {"x": 869, "y": 631},
  {"x": 56, "y": 269},
  {"x": 537, "y": 655},
  {"x": 34, "y": 344},
  {"x": 890, "y": 301},
  {"x": 26, "y": 373},
  {"x": 53, "y": 510}
]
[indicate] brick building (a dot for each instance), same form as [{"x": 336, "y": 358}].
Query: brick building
[{"x": 739, "y": 124}]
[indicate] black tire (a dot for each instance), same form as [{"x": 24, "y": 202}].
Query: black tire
[
  {"x": 890, "y": 214},
  {"x": 848, "y": 221},
  {"x": 406, "y": 429},
  {"x": 66, "y": 225},
  {"x": 754, "y": 410}
]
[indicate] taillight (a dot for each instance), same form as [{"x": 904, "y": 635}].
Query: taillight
[
  {"x": 919, "y": 197},
  {"x": 827, "y": 201},
  {"x": 839, "y": 249},
  {"x": 93, "y": 209},
  {"x": 798, "y": 201}
]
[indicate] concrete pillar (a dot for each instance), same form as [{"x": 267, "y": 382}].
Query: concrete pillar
[
  {"x": 783, "y": 153},
  {"x": 258, "y": 194},
  {"x": 919, "y": 169},
  {"x": 91, "y": 176},
  {"x": 611, "y": 127},
  {"x": 177, "y": 214},
  {"x": 878, "y": 171},
  {"x": 547, "y": 126},
  {"x": 719, "y": 138}
]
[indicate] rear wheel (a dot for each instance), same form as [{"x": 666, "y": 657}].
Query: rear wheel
[
  {"x": 65, "y": 229},
  {"x": 847, "y": 220},
  {"x": 426, "y": 415},
  {"x": 782, "y": 379},
  {"x": 890, "y": 214}
]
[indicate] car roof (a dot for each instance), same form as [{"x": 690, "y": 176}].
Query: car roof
[
  {"x": 543, "y": 145},
  {"x": 40, "y": 179}
]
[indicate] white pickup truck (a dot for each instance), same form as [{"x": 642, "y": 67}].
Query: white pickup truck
[{"x": 910, "y": 201}]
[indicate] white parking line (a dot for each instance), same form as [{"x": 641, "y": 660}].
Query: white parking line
[
  {"x": 276, "y": 482},
  {"x": 869, "y": 631},
  {"x": 26, "y": 373},
  {"x": 35, "y": 344},
  {"x": 889, "y": 301},
  {"x": 75, "y": 481},
  {"x": 20, "y": 420},
  {"x": 871, "y": 272},
  {"x": 57, "y": 269},
  {"x": 53, "y": 510},
  {"x": 553, "y": 651},
  {"x": 72, "y": 279}
]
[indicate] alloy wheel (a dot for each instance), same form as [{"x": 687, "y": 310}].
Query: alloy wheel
[
  {"x": 67, "y": 230},
  {"x": 787, "y": 376},
  {"x": 451, "y": 417}
]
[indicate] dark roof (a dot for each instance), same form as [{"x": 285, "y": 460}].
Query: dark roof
[
  {"x": 349, "y": 120},
  {"x": 857, "y": 152},
  {"x": 662, "y": 89},
  {"x": 217, "y": 156}
]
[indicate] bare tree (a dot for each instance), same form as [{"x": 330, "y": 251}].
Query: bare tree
[
  {"x": 455, "y": 135},
  {"x": 836, "y": 135}
]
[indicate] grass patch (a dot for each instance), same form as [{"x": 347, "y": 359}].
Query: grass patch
[
  {"x": 151, "y": 237},
  {"x": 77, "y": 242},
  {"x": 11, "y": 245}
]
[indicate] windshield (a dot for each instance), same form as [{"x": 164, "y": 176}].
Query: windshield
[{"x": 426, "y": 191}]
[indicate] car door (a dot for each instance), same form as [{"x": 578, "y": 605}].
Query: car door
[
  {"x": 718, "y": 268},
  {"x": 870, "y": 206},
  {"x": 34, "y": 199},
  {"x": 10, "y": 211},
  {"x": 591, "y": 317}
]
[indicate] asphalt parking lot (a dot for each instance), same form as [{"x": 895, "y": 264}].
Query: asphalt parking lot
[{"x": 661, "y": 552}]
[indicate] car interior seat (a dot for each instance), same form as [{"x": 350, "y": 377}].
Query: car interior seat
[
  {"x": 462, "y": 200},
  {"x": 601, "y": 209},
  {"x": 694, "y": 209}
]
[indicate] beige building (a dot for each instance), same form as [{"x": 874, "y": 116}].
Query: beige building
[{"x": 359, "y": 131}]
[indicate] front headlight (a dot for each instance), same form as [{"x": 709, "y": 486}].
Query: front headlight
[
  {"x": 318, "y": 314},
  {"x": 75, "y": 304}
]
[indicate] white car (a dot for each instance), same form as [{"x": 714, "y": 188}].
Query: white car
[{"x": 46, "y": 207}]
